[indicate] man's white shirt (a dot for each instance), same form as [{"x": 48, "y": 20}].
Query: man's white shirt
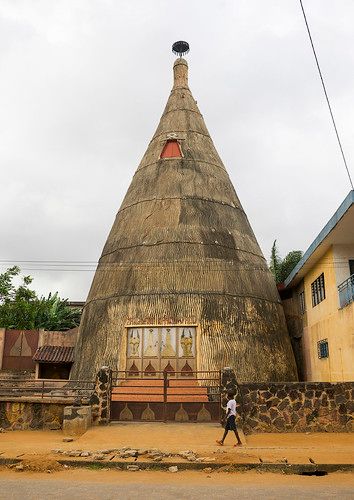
[{"x": 231, "y": 405}]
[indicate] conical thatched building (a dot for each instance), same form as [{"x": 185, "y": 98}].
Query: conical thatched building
[{"x": 182, "y": 283}]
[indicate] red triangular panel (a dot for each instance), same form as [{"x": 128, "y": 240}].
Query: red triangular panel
[{"x": 171, "y": 150}]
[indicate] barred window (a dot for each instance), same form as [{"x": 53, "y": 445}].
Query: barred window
[
  {"x": 302, "y": 303},
  {"x": 351, "y": 266},
  {"x": 318, "y": 290},
  {"x": 322, "y": 349}
]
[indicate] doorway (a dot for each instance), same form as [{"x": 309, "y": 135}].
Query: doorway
[{"x": 155, "y": 349}]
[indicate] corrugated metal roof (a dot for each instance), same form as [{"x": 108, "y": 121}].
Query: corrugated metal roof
[{"x": 54, "y": 354}]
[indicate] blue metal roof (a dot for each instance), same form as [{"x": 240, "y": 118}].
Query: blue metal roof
[{"x": 333, "y": 221}]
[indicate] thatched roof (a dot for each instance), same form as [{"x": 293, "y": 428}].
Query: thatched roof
[{"x": 181, "y": 249}]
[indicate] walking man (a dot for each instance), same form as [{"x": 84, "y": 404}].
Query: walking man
[{"x": 230, "y": 420}]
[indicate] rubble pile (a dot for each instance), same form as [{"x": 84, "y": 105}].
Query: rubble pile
[{"x": 127, "y": 453}]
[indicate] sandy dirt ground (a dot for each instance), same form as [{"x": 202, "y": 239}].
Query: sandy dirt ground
[
  {"x": 327, "y": 448},
  {"x": 108, "y": 484}
]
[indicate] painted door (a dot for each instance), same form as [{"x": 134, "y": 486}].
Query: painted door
[
  {"x": 19, "y": 348},
  {"x": 153, "y": 350}
]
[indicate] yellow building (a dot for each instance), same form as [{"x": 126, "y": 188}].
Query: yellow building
[{"x": 319, "y": 301}]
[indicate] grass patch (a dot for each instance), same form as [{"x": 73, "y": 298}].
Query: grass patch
[{"x": 95, "y": 466}]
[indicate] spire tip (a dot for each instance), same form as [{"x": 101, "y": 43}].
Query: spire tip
[{"x": 180, "y": 48}]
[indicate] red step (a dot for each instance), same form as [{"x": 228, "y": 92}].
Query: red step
[
  {"x": 148, "y": 398},
  {"x": 151, "y": 390}
]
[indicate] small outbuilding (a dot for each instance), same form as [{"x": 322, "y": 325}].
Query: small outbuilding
[{"x": 53, "y": 362}]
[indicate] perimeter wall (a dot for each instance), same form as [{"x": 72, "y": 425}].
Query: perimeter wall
[
  {"x": 262, "y": 407},
  {"x": 296, "y": 407}
]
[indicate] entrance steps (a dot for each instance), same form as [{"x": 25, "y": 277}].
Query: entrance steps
[{"x": 152, "y": 390}]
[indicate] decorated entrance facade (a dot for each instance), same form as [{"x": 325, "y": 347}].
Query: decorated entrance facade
[
  {"x": 161, "y": 380},
  {"x": 155, "y": 349}
]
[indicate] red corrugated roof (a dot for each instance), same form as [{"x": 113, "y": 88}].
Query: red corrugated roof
[{"x": 54, "y": 354}]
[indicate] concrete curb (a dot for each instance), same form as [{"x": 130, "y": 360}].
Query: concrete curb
[
  {"x": 265, "y": 467},
  {"x": 300, "y": 469}
]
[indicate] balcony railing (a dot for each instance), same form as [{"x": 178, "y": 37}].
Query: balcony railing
[{"x": 346, "y": 291}]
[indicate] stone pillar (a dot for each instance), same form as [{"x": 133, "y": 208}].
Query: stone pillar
[
  {"x": 101, "y": 397},
  {"x": 76, "y": 420},
  {"x": 229, "y": 385}
]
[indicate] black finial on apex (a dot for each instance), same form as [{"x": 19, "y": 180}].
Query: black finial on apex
[{"x": 180, "y": 48}]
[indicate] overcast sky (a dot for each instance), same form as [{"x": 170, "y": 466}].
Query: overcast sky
[{"x": 83, "y": 84}]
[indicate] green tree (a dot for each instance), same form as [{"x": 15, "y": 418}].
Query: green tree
[
  {"x": 289, "y": 262},
  {"x": 22, "y": 309},
  {"x": 8, "y": 291},
  {"x": 281, "y": 268},
  {"x": 275, "y": 262}
]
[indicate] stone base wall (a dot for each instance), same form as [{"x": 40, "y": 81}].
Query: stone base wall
[
  {"x": 296, "y": 407},
  {"x": 77, "y": 419},
  {"x": 24, "y": 415},
  {"x": 100, "y": 400}
]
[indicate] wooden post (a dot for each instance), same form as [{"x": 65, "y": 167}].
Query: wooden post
[
  {"x": 165, "y": 385},
  {"x": 220, "y": 396}
]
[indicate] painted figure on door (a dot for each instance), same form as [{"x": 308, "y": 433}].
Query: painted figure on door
[
  {"x": 134, "y": 343},
  {"x": 150, "y": 350},
  {"x": 187, "y": 343},
  {"x": 168, "y": 350}
]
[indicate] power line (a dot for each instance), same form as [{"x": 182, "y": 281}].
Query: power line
[
  {"x": 188, "y": 264},
  {"x": 73, "y": 263},
  {"x": 51, "y": 262},
  {"x": 326, "y": 95},
  {"x": 55, "y": 269}
]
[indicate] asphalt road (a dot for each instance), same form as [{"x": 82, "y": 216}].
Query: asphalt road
[{"x": 38, "y": 489}]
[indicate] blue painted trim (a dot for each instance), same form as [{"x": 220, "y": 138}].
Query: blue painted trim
[{"x": 344, "y": 207}]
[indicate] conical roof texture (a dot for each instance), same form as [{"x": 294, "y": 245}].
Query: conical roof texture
[{"x": 181, "y": 250}]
